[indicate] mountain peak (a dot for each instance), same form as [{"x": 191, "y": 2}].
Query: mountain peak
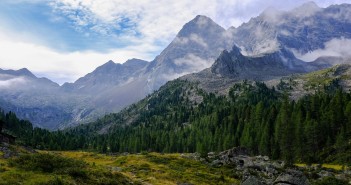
[
  {"x": 134, "y": 62},
  {"x": 310, "y": 4},
  {"x": 108, "y": 66},
  {"x": 306, "y": 9},
  {"x": 110, "y": 62},
  {"x": 201, "y": 18},
  {"x": 236, "y": 50},
  {"x": 20, "y": 72},
  {"x": 199, "y": 24},
  {"x": 25, "y": 71}
]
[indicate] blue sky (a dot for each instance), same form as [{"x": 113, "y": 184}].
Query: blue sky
[{"x": 65, "y": 39}]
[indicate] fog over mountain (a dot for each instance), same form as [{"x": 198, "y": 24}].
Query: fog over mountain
[{"x": 274, "y": 44}]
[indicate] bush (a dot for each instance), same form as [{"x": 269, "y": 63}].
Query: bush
[
  {"x": 331, "y": 181},
  {"x": 46, "y": 163},
  {"x": 67, "y": 171},
  {"x": 56, "y": 181}
]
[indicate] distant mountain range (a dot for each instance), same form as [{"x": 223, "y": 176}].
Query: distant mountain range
[{"x": 270, "y": 46}]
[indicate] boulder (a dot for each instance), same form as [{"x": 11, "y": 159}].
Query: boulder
[
  {"x": 216, "y": 163},
  {"x": 292, "y": 177},
  {"x": 252, "y": 180},
  {"x": 325, "y": 173}
]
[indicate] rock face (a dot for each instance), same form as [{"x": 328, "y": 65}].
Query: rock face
[
  {"x": 304, "y": 29},
  {"x": 252, "y": 180},
  {"x": 232, "y": 67},
  {"x": 36, "y": 99},
  {"x": 258, "y": 170},
  {"x": 291, "y": 177},
  {"x": 195, "y": 48},
  {"x": 235, "y": 65},
  {"x": 108, "y": 75}
]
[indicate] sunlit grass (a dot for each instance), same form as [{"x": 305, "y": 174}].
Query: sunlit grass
[
  {"x": 155, "y": 168},
  {"x": 147, "y": 168},
  {"x": 328, "y": 166},
  {"x": 28, "y": 169}
]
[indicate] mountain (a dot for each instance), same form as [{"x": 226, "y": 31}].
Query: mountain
[
  {"x": 183, "y": 117},
  {"x": 111, "y": 87},
  {"x": 32, "y": 98},
  {"x": 301, "y": 30},
  {"x": 268, "y": 47},
  {"x": 195, "y": 47},
  {"x": 107, "y": 75}
]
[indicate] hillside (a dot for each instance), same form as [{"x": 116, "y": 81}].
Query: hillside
[{"x": 181, "y": 117}]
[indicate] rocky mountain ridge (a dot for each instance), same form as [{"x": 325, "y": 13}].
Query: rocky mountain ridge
[{"x": 265, "y": 48}]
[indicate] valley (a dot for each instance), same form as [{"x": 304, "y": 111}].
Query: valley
[{"x": 266, "y": 102}]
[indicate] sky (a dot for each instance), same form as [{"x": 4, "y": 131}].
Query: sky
[{"x": 66, "y": 39}]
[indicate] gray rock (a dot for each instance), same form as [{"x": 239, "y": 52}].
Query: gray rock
[
  {"x": 270, "y": 171},
  {"x": 216, "y": 163},
  {"x": 116, "y": 169},
  {"x": 325, "y": 173},
  {"x": 211, "y": 155},
  {"x": 292, "y": 177},
  {"x": 252, "y": 180}
]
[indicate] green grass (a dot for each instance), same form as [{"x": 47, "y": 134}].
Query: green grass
[
  {"x": 317, "y": 79},
  {"x": 155, "y": 168},
  {"x": 48, "y": 167},
  {"x": 328, "y": 166}
]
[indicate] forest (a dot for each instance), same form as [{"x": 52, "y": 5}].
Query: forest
[{"x": 315, "y": 128}]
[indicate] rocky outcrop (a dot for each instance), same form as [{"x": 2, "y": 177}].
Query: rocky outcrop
[
  {"x": 291, "y": 177},
  {"x": 257, "y": 170}
]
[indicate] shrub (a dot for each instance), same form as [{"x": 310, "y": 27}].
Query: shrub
[
  {"x": 47, "y": 163},
  {"x": 331, "y": 181}
]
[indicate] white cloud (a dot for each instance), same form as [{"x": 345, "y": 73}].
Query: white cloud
[
  {"x": 10, "y": 83},
  {"x": 63, "y": 66},
  {"x": 339, "y": 47},
  {"x": 160, "y": 20},
  {"x": 193, "y": 63},
  {"x": 148, "y": 26},
  {"x": 193, "y": 37}
]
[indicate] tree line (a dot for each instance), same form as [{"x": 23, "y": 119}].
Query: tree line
[{"x": 262, "y": 119}]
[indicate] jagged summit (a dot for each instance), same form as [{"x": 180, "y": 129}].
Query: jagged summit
[
  {"x": 306, "y": 10},
  {"x": 311, "y": 5},
  {"x": 135, "y": 62},
  {"x": 236, "y": 51},
  {"x": 200, "y": 24},
  {"x": 20, "y": 72}
]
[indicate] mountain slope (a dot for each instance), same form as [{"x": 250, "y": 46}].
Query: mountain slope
[
  {"x": 304, "y": 29},
  {"x": 195, "y": 47},
  {"x": 32, "y": 98},
  {"x": 182, "y": 117},
  {"x": 107, "y": 75}
]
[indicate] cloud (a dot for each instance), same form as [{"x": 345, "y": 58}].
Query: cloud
[
  {"x": 339, "y": 47},
  {"x": 193, "y": 37},
  {"x": 10, "y": 83},
  {"x": 65, "y": 39},
  {"x": 63, "y": 67},
  {"x": 193, "y": 63}
]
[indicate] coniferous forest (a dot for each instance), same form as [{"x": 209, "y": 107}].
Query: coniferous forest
[{"x": 314, "y": 128}]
